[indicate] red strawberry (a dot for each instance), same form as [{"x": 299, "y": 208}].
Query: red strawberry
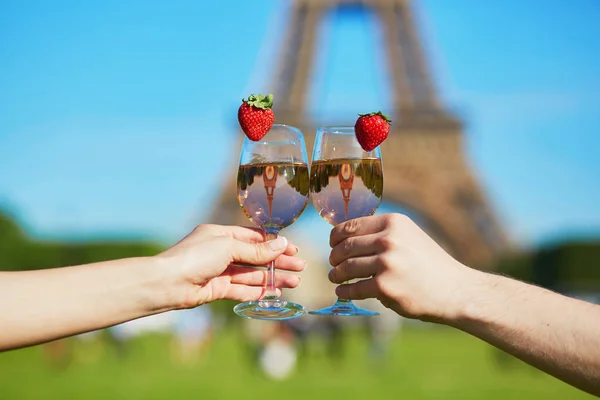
[
  {"x": 256, "y": 116},
  {"x": 371, "y": 129}
]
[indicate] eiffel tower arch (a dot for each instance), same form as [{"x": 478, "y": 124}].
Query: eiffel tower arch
[{"x": 425, "y": 168}]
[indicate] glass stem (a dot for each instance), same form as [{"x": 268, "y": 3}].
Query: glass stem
[{"x": 270, "y": 290}]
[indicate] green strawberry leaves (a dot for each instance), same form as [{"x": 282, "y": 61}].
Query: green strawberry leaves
[
  {"x": 260, "y": 101},
  {"x": 382, "y": 115}
]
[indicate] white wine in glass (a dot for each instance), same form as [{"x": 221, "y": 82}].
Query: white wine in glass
[
  {"x": 346, "y": 182},
  {"x": 273, "y": 190}
]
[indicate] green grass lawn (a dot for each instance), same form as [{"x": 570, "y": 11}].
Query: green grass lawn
[{"x": 422, "y": 364}]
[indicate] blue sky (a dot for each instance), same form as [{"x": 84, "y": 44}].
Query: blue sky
[{"x": 110, "y": 110}]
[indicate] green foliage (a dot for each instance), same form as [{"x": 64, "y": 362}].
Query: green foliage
[
  {"x": 568, "y": 266},
  {"x": 19, "y": 252},
  {"x": 320, "y": 174},
  {"x": 296, "y": 175},
  {"x": 299, "y": 180},
  {"x": 369, "y": 171},
  {"x": 516, "y": 265}
]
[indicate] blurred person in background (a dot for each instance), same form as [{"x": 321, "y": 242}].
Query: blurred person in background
[
  {"x": 193, "y": 332},
  {"x": 211, "y": 263},
  {"x": 411, "y": 274},
  {"x": 278, "y": 355},
  {"x": 381, "y": 331}
]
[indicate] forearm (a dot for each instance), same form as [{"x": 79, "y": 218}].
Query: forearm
[
  {"x": 554, "y": 333},
  {"x": 39, "y": 306}
]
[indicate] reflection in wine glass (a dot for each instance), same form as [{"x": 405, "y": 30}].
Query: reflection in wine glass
[
  {"x": 273, "y": 189},
  {"x": 346, "y": 182},
  {"x": 346, "y": 177},
  {"x": 270, "y": 182}
]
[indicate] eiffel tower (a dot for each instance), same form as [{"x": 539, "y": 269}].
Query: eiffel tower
[{"x": 425, "y": 168}]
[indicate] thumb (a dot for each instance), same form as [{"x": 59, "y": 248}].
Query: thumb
[{"x": 258, "y": 253}]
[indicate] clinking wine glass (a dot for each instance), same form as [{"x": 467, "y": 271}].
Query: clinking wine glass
[
  {"x": 346, "y": 182},
  {"x": 273, "y": 190}
]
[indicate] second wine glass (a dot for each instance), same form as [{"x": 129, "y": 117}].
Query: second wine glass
[
  {"x": 273, "y": 191},
  {"x": 346, "y": 182}
]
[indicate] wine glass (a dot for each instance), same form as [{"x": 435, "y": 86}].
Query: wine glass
[
  {"x": 346, "y": 182},
  {"x": 273, "y": 190}
]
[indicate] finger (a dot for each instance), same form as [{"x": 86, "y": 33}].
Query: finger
[
  {"x": 255, "y": 277},
  {"x": 291, "y": 249},
  {"x": 250, "y": 235},
  {"x": 283, "y": 262},
  {"x": 357, "y": 227},
  {"x": 246, "y": 293},
  {"x": 358, "y": 246},
  {"x": 358, "y": 291},
  {"x": 354, "y": 268},
  {"x": 257, "y": 253},
  {"x": 243, "y": 233},
  {"x": 289, "y": 263}
]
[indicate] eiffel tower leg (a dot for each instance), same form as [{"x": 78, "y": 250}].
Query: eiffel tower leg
[
  {"x": 403, "y": 101},
  {"x": 295, "y": 70},
  {"x": 415, "y": 59}
]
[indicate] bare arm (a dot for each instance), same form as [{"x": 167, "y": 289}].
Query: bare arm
[
  {"x": 39, "y": 306},
  {"x": 554, "y": 333},
  {"x": 409, "y": 273},
  {"x": 209, "y": 264}
]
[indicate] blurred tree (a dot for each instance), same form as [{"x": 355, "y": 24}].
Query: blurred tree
[
  {"x": 13, "y": 242},
  {"x": 19, "y": 252},
  {"x": 567, "y": 267}
]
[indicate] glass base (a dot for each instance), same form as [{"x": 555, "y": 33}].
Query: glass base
[
  {"x": 344, "y": 308},
  {"x": 274, "y": 310}
]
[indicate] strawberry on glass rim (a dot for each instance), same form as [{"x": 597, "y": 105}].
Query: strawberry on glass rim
[
  {"x": 372, "y": 129},
  {"x": 256, "y": 116}
]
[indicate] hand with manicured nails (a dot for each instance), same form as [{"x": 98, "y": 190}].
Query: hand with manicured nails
[{"x": 212, "y": 263}]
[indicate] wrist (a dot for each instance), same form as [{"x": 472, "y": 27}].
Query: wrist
[
  {"x": 476, "y": 297},
  {"x": 165, "y": 284}
]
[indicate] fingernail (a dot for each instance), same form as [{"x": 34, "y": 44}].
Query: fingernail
[
  {"x": 278, "y": 244},
  {"x": 304, "y": 264},
  {"x": 297, "y": 249}
]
